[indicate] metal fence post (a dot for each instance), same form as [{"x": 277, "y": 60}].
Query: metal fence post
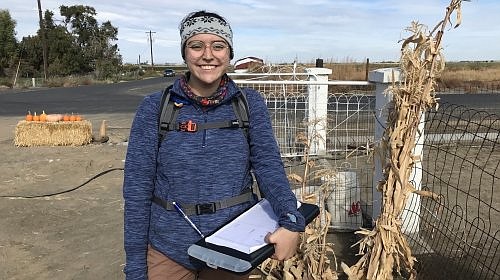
[
  {"x": 317, "y": 110},
  {"x": 383, "y": 79}
]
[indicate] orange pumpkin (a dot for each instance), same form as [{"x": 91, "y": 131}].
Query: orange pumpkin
[
  {"x": 72, "y": 118},
  {"x": 29, "y": 116},
  {"x": 78, "y": 118},
  {"x": 43, "y": 116},
  {"x": 36, "y": 117},
  {"x": 66, "y": 118}
]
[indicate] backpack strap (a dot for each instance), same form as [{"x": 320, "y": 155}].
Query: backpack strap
[
  {"x": 210, "y": 207},
  {"x": 169, "y": 113},
  {"x": 167, "y": 121},
  {"x": 168, "y": 116},
  {"x": 240, "y": 107}
]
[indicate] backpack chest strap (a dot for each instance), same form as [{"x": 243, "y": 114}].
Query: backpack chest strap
[
  {"x": 207, "y": 208},
  {"x": 170, "y": 111},
  {"x": 190, "y": 126}
]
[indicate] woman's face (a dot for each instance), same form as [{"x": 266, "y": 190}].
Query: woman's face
[{"x": 207, "y": 57}]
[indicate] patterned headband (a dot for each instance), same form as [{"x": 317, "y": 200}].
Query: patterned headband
[{"x": 205, "y": 24}]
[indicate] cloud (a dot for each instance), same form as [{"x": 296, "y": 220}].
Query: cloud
[{"x": 281, "y": 30}]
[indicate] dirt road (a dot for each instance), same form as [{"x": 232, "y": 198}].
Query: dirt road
[{"x": 74, "y": 235}]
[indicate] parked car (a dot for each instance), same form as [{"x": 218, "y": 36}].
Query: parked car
[{"x": 168, "y": 73}]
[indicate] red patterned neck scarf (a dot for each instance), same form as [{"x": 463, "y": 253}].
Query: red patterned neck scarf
[{"x": 212, "y": 100}]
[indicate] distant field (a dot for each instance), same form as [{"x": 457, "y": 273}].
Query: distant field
[{"x": 457, "y": 75}]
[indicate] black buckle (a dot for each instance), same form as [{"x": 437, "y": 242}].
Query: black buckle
[
  {"x": 234, "y": 124},
  {"x": 188, "y": 126},
  {"x": 205, "y": 208}
]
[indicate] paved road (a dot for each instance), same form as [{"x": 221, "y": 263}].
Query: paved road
[
  {"x": 489, "y": 102},
  {"x": 93, "y": 99},
  {"x": 124, "y": 98}
]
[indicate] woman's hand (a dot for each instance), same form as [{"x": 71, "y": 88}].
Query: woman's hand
[{"x": 285, "y": 243}]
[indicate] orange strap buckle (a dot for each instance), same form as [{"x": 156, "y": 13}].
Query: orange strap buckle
[{"x": 188, "y": 126}]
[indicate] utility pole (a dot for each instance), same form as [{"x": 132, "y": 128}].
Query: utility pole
[
  {"x": 151, "y": 47},
  {"x": 44, "y": 41}
]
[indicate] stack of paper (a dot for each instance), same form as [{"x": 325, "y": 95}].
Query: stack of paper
[{"x": 247, "y": 232}]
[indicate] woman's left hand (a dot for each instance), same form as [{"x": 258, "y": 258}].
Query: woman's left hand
[{"x": 285, "y": 243}]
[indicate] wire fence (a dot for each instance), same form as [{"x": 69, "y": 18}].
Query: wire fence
[
  {"x": 458, "y": 237},
  {"x": 349, "y": 137}
]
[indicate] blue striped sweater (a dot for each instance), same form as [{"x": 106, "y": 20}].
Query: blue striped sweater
[{"x": 200, "y": 167}]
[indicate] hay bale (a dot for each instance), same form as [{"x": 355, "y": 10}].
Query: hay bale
[{"x": 75, "y": 133}]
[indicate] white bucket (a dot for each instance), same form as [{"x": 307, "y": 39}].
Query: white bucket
[{"x": 343, "y": 203}]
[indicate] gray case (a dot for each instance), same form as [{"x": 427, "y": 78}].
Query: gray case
[{"x": 220, "y": 257}]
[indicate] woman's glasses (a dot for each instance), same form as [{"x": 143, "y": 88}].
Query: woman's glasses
[{"x": 200, "y": 46}]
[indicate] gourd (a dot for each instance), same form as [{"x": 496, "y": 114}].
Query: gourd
[
  {"x": 54, "y": 117},
  {"x": 36, "y": 117},
  {"x": 66, "y": 118},
  {"x": 43, "y": 116},
  {"x": 29, "y": 116}
]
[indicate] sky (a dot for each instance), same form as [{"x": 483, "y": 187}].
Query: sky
[{"x": 282, "y": 31}]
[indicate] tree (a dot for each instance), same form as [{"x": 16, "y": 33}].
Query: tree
[
  {"x": 32, "y": 56},
  {"x": 64, "y": 55},
  {"x": 8, "y": 41},
  {"x": 82, "y": 22},
  {"x": 105, "y": 53},
  {"x": 94, "y": 41},
  {"x": 75, "y": 45}
]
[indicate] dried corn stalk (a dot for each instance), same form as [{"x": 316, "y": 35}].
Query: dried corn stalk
[
  {"x": 312, "y": 258},
  {"x": 384, "y": 249}
]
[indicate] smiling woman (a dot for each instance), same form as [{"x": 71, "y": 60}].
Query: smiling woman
[
  {"x": 207, "y": 58},
  {"x": 206, "y": 41},
  {"x": 204, "y": 164}
]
